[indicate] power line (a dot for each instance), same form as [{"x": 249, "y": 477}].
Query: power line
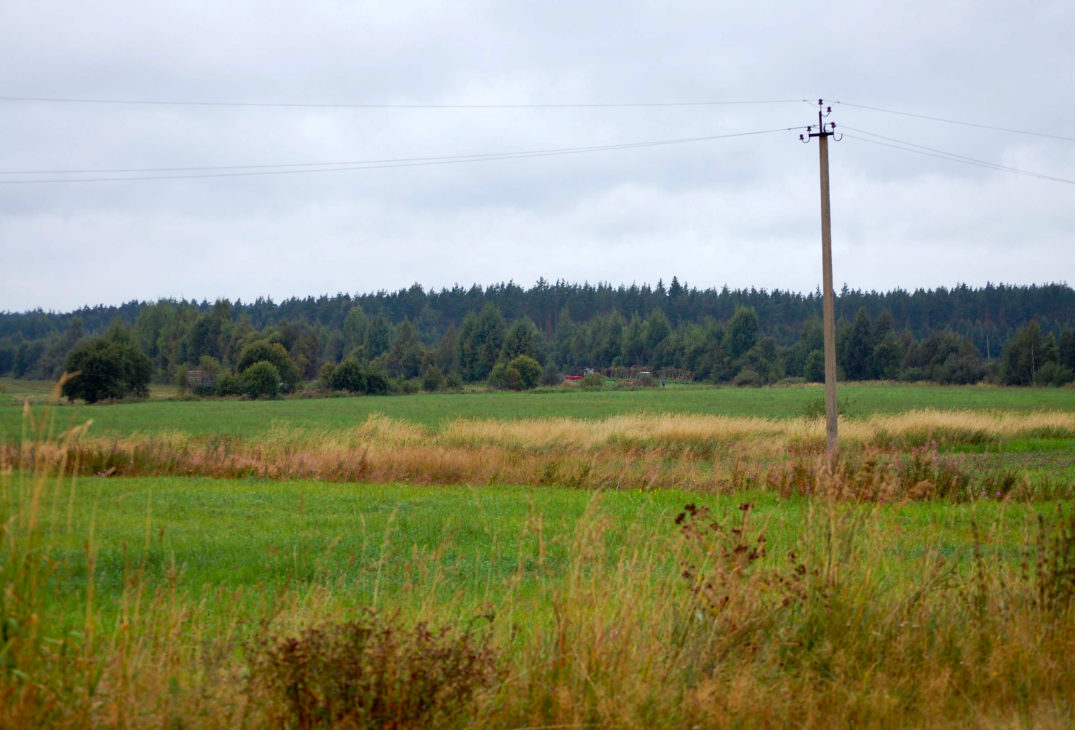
[
  {"x": 945, "y": 155},
  {"x": 959, "y": 122},
  {"x": 304, "y": 105},
  {"x": 312, "y": 167}
]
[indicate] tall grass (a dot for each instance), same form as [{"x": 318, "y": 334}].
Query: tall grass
[
  {"x": 719, "y": 619},
  {"x": 890, "y": 457}
]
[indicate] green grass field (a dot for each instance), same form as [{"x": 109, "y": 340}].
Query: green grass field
[
  {"x": 182, "y": 601},
  {"x": 254, "y": 417},
  {"x": 267, "y": 535}
]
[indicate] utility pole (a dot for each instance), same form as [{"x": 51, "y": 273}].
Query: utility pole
[{"x": 828, "y": 307}]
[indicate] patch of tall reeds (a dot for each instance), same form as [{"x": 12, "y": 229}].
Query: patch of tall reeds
[{"x": 888, "y": 457}]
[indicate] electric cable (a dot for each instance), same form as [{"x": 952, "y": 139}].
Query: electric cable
[
  {"x": 305, "y": 168},
  {"x": 959, "y": 122},
  {"x": 304, "y": 105},
  {"x": 945, "y": 155}
]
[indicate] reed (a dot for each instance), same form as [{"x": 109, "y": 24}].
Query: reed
[{"x": 891, "y": 457}]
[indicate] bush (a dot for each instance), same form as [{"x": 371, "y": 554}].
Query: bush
[
  {"x": 593, "y": 381},
  {"x": 502, "y": 379},
  {"x": 353, "y": 377},
  {"x": 274, "y": 353},
  {"x": 371, "y": 673},
  {"x": 350, "y": 376},
  {"x": 1053, "y": 373},
  {"x": 107, "y": 367},
  {"x": 814, "y": 368},
  {"x": 261, "y": 379},
  {"x": 405, "y": 386},
  {"x": 376, "y": 383},
  {"x": 551, "y": 375},
  {"x": 432, "y": 379},
  {"x": 522, "y": 373},
  {"x": 748, "y": 377},
  {"x": 229, "y": 384},
  {"x": 325, "y": 376}
]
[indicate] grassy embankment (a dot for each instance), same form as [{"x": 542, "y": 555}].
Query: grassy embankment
[{"x": 166, "y": 600}]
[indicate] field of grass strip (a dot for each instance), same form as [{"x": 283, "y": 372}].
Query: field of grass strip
[{"x": 639, "y": 569}]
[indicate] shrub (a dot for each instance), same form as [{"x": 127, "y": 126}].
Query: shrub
[
  {"x": 325, "y": 376},
  {"x": 551, "y": 375},
  {"x": 350, "y": 376},
  {"x": 522, "y": 373},
  {"x": 229, "y": 384},
  {"x": 1053, "y": 373},
  {"x": 376, "y": 383},
  {"x": 371, "y": 672},
  {"x": 274, "y": 353},
  {"x": 261, "y": 379},
  {"x": 529, "y": 370},
  {"x": 107, "y": 367},
  {"x": 501, "y": 378},
  {"x": 432, "y": 379},
  {"x": 593, "y": 381},
  {"x": 748, "y": 377},
  {"x": 816, "y": 408},
  {"x": 814, "y": 369}
]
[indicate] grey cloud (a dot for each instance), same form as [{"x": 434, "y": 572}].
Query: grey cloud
[{"x": 741, "y": 212}]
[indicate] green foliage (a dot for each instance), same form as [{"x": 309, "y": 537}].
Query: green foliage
[
  {"x": 480, "y": 342},
  {"x": 887, "y": 357},
  {"x": 108, "y": 367},
  {"x": 742, "y": 331},
  {"x": 432, "y": 379},
  {"x": 181, "y": 380},
  {"x": 748, "y": 377},
  {"x": 404, "y": 357},
  {"x": 350, "y": 376},
  {"x": 593, "y": 381},
  {"x": 354, "y": 377},
  {"x": 261, "y": 380},
  {"x": 378, "y": 336},
  {"x": 522, "y": 339},
  {"x": 814, "y": 369},
  {"x": 1022, "y": 356},
  {"x": 522, "y": 373},
  {"x": 355, "y": 326},
  {"x": 376, "y": 383},
  {"x": 707, "y": 335},
  {"x": 551, "y": 375},
  {"x": 324, "y": 379},
  {"x": 229, "y": 384},
  {"x": 275, "y": 353},
  {"x": 529, "y": 370},
  {"x": 855, "y": 353},
  {"x": 943, "y": 357},
  {"x": 816, "y": 408}
]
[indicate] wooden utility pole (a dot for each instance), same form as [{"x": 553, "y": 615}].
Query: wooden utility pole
[{"x": 828, "y": 307}]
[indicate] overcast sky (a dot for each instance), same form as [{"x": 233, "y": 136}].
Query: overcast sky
[{"x": 740, "y": 211}]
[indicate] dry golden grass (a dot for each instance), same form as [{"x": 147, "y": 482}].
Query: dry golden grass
[{"x": 708, "y": 453}]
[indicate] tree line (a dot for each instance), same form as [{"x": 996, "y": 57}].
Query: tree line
[{"x": 514, "y": 337}]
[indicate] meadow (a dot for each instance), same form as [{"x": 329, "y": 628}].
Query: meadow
[
  {"x": 608, "y": 559},
  {"x": 202, "y": 417}
]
